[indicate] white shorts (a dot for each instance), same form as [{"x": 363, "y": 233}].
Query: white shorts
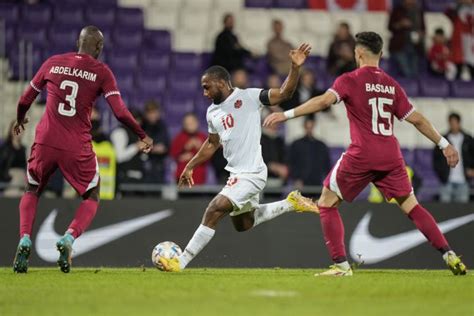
[{"x": 243, "y": 190}]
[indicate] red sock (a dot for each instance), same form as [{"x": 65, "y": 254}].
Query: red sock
[
  {"x": 333, "y": 230},
  {"x": 84, "y": 215},
  {"x": 426, "y": 224},
  {"x": 28, "y": 205}
]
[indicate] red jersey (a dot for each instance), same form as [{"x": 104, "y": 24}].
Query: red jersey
[
  {"x": 73, "y": 81},
  {"x": 372, "y": 99}
]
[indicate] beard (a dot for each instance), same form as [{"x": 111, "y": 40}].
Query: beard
[{"x": 218, "y": 98}]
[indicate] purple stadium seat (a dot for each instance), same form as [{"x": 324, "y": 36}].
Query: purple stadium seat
[
  {"x": 410, "y": 86},
  {"x": 409, "y": 156},
  {"x": 157, "y": 40},
  {"x": 290, "y": 4},
  {"x": 131, "y": 17},
  {"x": 258, "y": 3},
  {"x": 100, "y": 16},
  {"x": 68, "y": 2},
  {"x": 139, "y": 100},
  {"x": 62, "y": 36},
  {"x": 437, "y": 88},
  {"x": 108, "y": 3},
  {"x": 153, "y": 62},
  {"x": 201, "y": 103},
  {"x": 256, "y": 81},
  {"x": 206, "y": 59},
  {"x": 125, "y": 82},
  {"x": 36, "y": 14},
  {"x": 186, "y": 62},
  {"x": 59, "y": 49},
  {"x": 122, "y": 61},
  {"x": 182, "y": 83},
  {"x": 10, "y": 37},
  {"x": 462, "y": 89},
  {"x": 335, "y": 153},
  {"x": 9, "y": 12},
  {"x": 33, "y": 34},
  {"x": 438, "y": 5},
  {"x": 125, "y": 38},
  {"x": 147, "y": 83},
  {"x": 69, "y": 14},
  {"x": 176, "y": 106},
  {"x": 14, "y": 63}
]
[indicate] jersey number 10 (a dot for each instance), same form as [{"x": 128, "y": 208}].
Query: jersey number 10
[
  {"x": 379, "y": 113},
  {"x": 70, "y": 98},
  {"x": 228, "y": 121}
]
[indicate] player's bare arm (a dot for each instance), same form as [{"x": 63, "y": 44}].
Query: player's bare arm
[
  {"x": 426, "y": 128},
  {"x": 205, "y": 153},
  {"x": 298, "y": 57},
  {"x": 313, "y": 105},
  {"x": 19, "y": 126}
]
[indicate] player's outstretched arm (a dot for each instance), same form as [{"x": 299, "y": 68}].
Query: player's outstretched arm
[
  {"x": 313, "y": 105},
  {"x": 426, "y": 128},
  {"x": 298, "y": 57},
  {"x": 205, "y": 153}
]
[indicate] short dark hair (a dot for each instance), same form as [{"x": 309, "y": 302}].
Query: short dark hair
[
  {"x": 439, "y": 31},
  {"x": 454, "y": 115},
  {"x": 218, "y": 72},
  {"x": 370, "y": 40}
]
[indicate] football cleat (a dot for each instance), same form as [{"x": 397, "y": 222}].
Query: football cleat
[
  {"x": 336, "y": 271},
  {"x": 169, "y": 265},
  {"x": 20, "y": 264},
  {"x": 64, "y": 246},
  {"x": 301, "y": 203},
  {"x": 455, "y": 264}
]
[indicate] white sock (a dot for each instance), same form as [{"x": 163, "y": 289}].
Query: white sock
[
  {"x": 344, "y": 265},
  {"x": 266, "y": 212},
  {"x": 445, "y": 255},
  {"x": 201, "y": 238}
]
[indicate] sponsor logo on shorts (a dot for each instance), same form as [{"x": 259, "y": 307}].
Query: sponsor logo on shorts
[{"x": 231, "y": 182}]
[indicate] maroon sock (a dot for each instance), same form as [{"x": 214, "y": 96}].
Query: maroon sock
[
  {"x": 333, "y": 230},
  {"x": 426, "y": 224},
  {"x": 28, "y": 205},
  {"x": 84, "y": 215}
]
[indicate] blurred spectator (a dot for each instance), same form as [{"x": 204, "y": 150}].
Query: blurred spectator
[
  {"x": 156, "y": 128},
  {"x": 240, "y": 79},
  {"x": 309, "y": 158},
  {"x": 185, "y": 145},
  {"x": 462, "y": 40},
  {"x": 455, "y": 180},
  {"x": 273, "y": 81},
  {"x": 129, "y": 159},
  {"x": 13, "y": 164},
  {"x": 341, "y": 52},
  {"x": 228, "y": 52},
  {"x": 106, "y": 157},
  {"x": 306, "y": 90},
  {"x": 278, "y": 49},
  {"x": 273, "y": 152},
  {"x": 407, "y": 25},
  {"x": 439, "y": 56}
]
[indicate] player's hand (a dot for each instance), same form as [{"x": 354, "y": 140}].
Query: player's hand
[
  {"x": 146, "y": 144},
  {"x": 186, "y": 178},
  {"x": 19, "y": 127},
  {"x": 452, "y": 156},
  {"x": 298, "y": 56},
  {"x": 274, "y": 118}
]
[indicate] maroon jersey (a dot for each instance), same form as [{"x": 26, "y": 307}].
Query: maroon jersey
[
  {"x": 372, "y": 99},
  {"x": 73, "y": 82}
]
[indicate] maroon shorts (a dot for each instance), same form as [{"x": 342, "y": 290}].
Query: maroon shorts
[
  {"x": 347, "y": 181},
  {"x": 79, "y": 169}
]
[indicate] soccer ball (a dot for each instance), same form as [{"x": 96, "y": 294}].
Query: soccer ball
[{"x": 165, "y": 249}]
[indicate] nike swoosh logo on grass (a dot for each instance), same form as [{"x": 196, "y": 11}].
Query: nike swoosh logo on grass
[
  {"x": 90, "y": 240},
  {"x": 374, "y": 249}
]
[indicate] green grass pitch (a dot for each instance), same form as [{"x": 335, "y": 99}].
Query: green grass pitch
[{"x": 249, "y": 292}]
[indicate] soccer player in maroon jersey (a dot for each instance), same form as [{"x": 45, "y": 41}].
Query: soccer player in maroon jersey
[
  {"x": 63, "y": 140},
  {"x": 372, "y": 99}
]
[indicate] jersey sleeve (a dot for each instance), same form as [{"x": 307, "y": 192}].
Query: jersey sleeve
[
  {"x": 340, "y": 88},
  {"x": 39, "y": 80},
  {"x": 254, "y": 94},
  {"x": 210, "y": 128},
  {"x": 403, "y": 107},
  {"x": 109, "y": 84}
]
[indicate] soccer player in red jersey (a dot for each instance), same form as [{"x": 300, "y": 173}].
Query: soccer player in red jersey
[
  {"x": 372, "y": 99},
  {"x": 63, "y": 140}
]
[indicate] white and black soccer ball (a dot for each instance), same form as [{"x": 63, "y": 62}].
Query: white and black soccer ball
[{"x": 165, "y": 249}]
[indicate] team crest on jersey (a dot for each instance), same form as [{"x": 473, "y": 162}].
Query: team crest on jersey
[{"x": 238, "y": 104}]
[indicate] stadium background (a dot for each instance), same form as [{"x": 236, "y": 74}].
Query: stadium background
[{"x": 158, "y": 49}]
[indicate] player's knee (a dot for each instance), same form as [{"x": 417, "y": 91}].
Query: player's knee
[
  {"x": 92, "y": 194},
  {"x": 30, "y": 188}
]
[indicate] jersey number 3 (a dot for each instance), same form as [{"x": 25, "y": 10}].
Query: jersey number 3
[
  {"x": 70, "y": 98},
  {"x": 378, "y": 113}
]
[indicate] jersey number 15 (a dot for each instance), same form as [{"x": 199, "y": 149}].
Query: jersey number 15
[
  {"x": 380, "y": 117},
  {"x": 70, "y": 98}
]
